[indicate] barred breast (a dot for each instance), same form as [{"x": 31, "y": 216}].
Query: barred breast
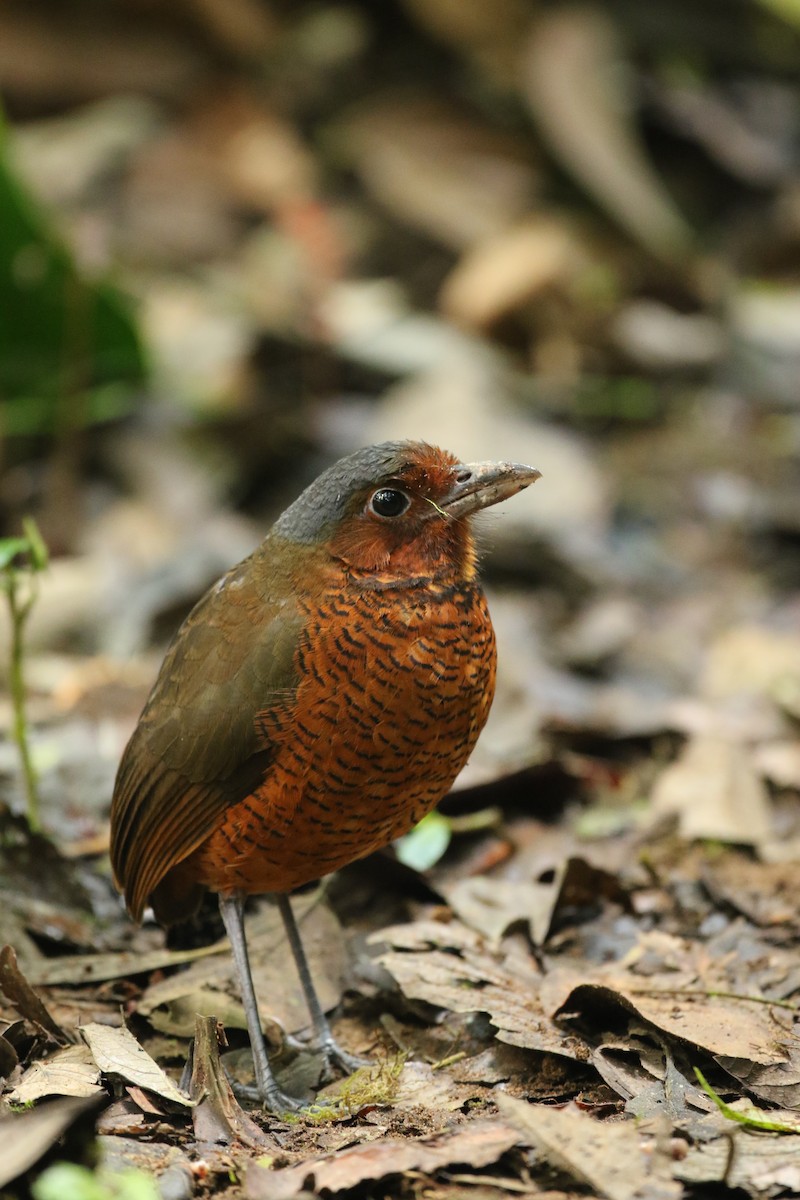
[{"x": 394, "y": 690}]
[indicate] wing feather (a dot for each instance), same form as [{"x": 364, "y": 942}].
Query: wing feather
[{"x": 197, "y": 749}]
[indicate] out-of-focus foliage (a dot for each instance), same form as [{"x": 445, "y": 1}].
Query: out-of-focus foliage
[{"x": 69, "y": 349}]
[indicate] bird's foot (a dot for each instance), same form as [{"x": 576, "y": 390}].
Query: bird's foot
[
  {"x": 271, "y": 1098},
  {"x": 334, "y": 1057}
]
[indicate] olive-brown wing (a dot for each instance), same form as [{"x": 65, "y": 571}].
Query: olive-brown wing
[{"x": 196, "y": 750}]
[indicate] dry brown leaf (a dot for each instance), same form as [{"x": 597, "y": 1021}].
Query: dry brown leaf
[
  {"x": 16, "y": 988},
  {"x": 776, "y": 1083},
  {"x": 69, "y": 1072},
  {"x": 610, "y": 1158},
  {"x": 759, "y": 1164},
  {"x": 492, "y": 905},
  {"x": 502, "y": 272},
  {"x": 766, "y": 893},
  {"x": 477, "y": 1144},
  {"x": 625, "y": 1067},
  {"x": 451, "y": 969},
  {"x": 720, "y": 1025},
  {"x": 116, "y": 1052},
  {"x": 96, "y": 968},
  {"x": 420, "y": 1085},
  {"x": 442, "y": 171},
  {"x": 570, "y": 73},
  {"x": 715, "y": 792}
]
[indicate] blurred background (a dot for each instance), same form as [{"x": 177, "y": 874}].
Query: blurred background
[{"x": 239, "y": 238}]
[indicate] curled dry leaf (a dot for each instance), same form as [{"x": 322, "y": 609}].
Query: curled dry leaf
[
  {"x": 760, "y": 1165},
  {"x": 18, "y": 991},
  {"x": 721, "y": 1025},
  {"x": 765, "y": 892}
]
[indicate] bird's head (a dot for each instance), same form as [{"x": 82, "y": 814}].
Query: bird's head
[{"x": 400, "y": 510}]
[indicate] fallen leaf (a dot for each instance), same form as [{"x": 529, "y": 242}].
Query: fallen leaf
[
  {"x": 477, "y": 1144},
  {"x": 438, "y": 168},
  {"x": 611, "y": 1158},
  {"x": 16, "y": 988},
  {"x": 491, "y": 906},
  {"x": 776, "y": 1083},
  {"x": 570, "y": 79},
  {"x": 116, "y": 1052},
  {"x": 502, "y": 272},
  {"x": 171, "y": 1003},
  {"x": 451, "y": 968},
  {"x": 96, "y": 968},
  {"x": 721, "y": 1025},
  {"x": 765, "y": 892},
  {"x": 715, "y": 791},
  {"x": 69, "y": 1072},
  {"x": 760, "y": 1165}
]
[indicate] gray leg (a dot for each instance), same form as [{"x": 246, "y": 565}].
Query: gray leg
[
  {"x": 332, "y": 1051},
  {"x": 231, "y": 907}
]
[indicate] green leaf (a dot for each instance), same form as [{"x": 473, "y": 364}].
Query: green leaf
[
  {"x": 68, "y": 1181},
  {"x": 10, "y": 548},
  {"x": 37, "y": 548},
  {"x": 61, "y": 334},
  {"x": 788, "y": 9},
  {"x": 426, "y": 843}
]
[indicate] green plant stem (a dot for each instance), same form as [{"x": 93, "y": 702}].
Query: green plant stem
[
  {"x": 751, "y": 1120},
  {"x": 19, "y": 615}
]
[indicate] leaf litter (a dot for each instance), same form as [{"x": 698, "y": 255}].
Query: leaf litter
[{"x": 327, "y": 251}]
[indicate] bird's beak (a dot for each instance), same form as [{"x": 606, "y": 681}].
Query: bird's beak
[{"x": 479, "y": 485}]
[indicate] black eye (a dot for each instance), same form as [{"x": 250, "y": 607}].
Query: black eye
[{"x": 389, "y": 502}]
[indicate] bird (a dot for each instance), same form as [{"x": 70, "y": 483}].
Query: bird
[{"x": 317, "y": 702}]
